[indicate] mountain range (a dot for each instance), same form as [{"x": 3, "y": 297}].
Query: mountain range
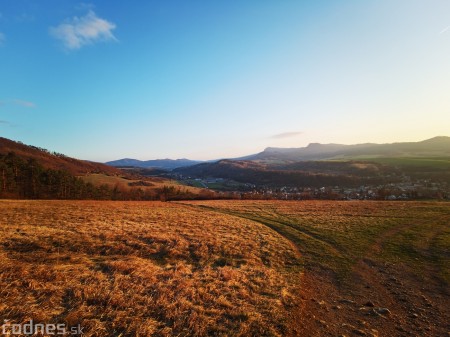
[
  {"x": 437, "y": 146},
  {"x": 53, "y": 175},
  {"x": 434, "y": 147},
  {"x": 167, "y": 164},
  {"x": 319, "y": 165}
]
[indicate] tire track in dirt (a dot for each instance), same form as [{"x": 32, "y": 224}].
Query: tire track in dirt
[
  {"x": 394, "y": 285},
  {"x": 332, "y": 307}
]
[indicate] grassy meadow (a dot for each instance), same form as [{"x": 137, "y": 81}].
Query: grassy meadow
[
  {"x": 335, "y": 235},
  {"x": 226, "y": 268},
  {"x": 143, "y": 269},
  {"x": 124, "y": 184}
]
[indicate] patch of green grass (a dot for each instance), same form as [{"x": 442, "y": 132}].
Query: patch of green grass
[
  {"x": 193, "y": 183},
  {"x": 424, "y": 245},
  {"x": 435, "y": 163},
  {"x": 336, "y": 235}
]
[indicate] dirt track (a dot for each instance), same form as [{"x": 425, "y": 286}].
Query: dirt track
[
  {"x": 358, "y": 307},
  {"x": 369, "y": 268}
]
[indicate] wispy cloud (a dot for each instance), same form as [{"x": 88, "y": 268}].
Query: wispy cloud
[
  {"x": 85, "y": 6},
  {"x": 444, "y": 30},
  {"x": 8, "y": 124},
  {"x": 2, "y": 38},
  {"x": 77, "y": 32},
  {"x": 23, "y": 103},
  {"x": 286, "y": 135},
  {"x": 25, "y": 17}
]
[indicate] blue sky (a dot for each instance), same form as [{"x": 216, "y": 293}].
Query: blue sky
[{"x": 104, "y": 80}]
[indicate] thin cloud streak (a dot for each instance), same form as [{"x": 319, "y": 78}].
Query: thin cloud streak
[
  {"x": 2, "y": 38},
  {"x": 85, "y": 6},
  {"x": 7, "y": 124},
  {"x": 81, "y": 31},
  {"x": 444, "y": 30},
  {"x": 23, "y": 103},
  {"x": 286, "y": 135}
]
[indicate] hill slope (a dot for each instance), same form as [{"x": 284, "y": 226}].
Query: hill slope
[
  {"x": 29, "y": 172},
  {"x": 312, "y": 174},
  {"x": 55, "y": 161}
]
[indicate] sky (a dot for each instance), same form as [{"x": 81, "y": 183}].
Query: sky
[{"x": 104, "y": 80}]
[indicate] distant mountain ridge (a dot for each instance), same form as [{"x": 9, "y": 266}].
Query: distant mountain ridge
[
  {"x": 333, "y": 164},
  {"x": 437, "y": 146},
  {"x": 434, "y": 147},
  {"x": 167, "y": 164}
]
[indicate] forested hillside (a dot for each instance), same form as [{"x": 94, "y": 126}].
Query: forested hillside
[
  {"x": 54, "y": 160},
  {"x": 30, "y": 172},
  {"x": 27, "y": 179}
]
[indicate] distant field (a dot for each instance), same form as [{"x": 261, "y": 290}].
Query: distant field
[
  {"x": 124, "y": 184},
  {"x": 437, "y": 163},
  {"x": 228, "y": 268}
]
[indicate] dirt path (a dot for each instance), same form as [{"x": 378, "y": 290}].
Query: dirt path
[{"x": 379, "y": 300}]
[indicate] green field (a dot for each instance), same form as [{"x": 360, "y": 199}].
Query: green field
[
  {"x": 335, "y": 235},
  {"x": 434, "y": 163}
]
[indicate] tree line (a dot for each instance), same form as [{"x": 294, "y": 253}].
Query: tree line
[{"x": 22, "y": 178}]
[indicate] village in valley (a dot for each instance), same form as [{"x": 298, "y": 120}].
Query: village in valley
[{"x": 406, "y": 190}]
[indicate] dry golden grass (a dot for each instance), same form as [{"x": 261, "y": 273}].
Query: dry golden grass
[
  {"x": 222, "y": 268},
  {"x": 111, "y": 181},
  {"x": 143, "y": 269}
]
